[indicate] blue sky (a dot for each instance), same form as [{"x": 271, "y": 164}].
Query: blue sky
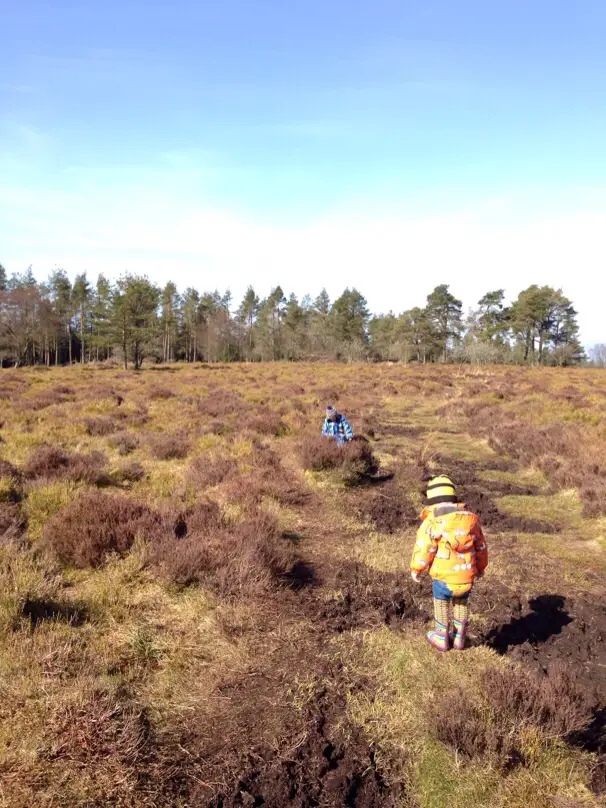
[{"x": 387, "y": 145}]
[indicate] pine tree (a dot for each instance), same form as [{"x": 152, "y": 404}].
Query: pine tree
[
  {"x": 134, "y": 317},
  {"x": 61, "y": 298},
  {"x": 81, "y": 299},
  {"x": 247, "y": 314},
  {"x": 444, "y": 312}
]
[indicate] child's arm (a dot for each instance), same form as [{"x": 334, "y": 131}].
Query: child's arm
[
  {"x": 425, "y": 548},
  {"x": 347, "y": 430},
  {"x": 325, "y": 430},
  {"x": 481, "y": 550}
]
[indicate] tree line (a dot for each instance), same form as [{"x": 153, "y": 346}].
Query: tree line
[{"x": 59, "y": 321}]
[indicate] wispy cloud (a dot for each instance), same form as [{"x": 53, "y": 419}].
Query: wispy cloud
[
  {"x": 395, "y": 257},
  {"x": 17, "y": 88},
  {"x": 30, "y": 137},
  {"x": 311, "y": 128}
]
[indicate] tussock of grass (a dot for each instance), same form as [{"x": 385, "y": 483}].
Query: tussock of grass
[
  {"x": 43, "y": 501},
  {"x": 410, "y": 679},
  {"x": 23, "y": 576}
]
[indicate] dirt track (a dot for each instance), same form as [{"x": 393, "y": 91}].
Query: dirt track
[{"x": 309, "y": 755}]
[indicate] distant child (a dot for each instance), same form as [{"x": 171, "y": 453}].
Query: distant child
[
  {"x": 451, "y": 547},
  {"x": 335, "y": 426}
]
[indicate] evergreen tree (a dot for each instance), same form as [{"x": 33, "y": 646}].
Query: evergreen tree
[
  {"x": 349, "y": 319},
  {"x": 247, "y": 314},
  {"x": 191, "y": 318},
  {"x": 61, "y": 300},
  {"x": 81, "y": 299},
  {"x": 169, "y": 321},
  {"x": 493, "y": 317},
  {"x": 134, "y": 317},
  {"x": 295, "y": 326},
  {"x": 444, "y": 313},
  {"x": 101, "y": 331}
]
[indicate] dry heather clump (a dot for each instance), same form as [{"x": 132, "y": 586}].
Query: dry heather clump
[
  {"x": 160, "y": 393},
  {"x": 95, "y": 524},
  {"x": 330, "y": 395},
  {"x": 244, "y": 559},
  {"x": 217, "y": 427},
  {"x": 267, "y": 477},
  {"x": 51, "y": 462},
  {"x": 221, "y": 402},
  {"x": 101, "y": 425},
  {"x": 354, "y": 460},
  {"x": 514, "y": 700},
  {"x": 169, "y": 446},
  {"x": 320, "y": 454},
  {"x": 99, "y": 391},
  {"x": 46, "y": 398},
  {"x": 10, "y": 482},
  {"x": 266, "y": 422},
  {"x": 207, "y": 470},
  {"x": 12, "y": 521},
  {"x": 132, "y": 471},
  {"x": 47, "y": 461},
  {"x": 100, "y": 729},
  {"x": 125, "y": 442},
  {"x": 554, "y": 702},
  {"x": 568, "y": 454}
]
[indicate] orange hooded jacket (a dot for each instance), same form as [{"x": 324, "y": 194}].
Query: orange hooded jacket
[{"x": 450, "y": 544}]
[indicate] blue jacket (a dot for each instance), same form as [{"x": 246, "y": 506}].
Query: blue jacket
[{"x": 340, "y": 430}]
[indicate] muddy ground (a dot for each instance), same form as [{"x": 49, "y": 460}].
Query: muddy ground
[{"x": 276, "y": 754}]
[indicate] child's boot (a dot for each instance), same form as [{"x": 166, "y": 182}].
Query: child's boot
[
  {"x": 460, "y": 631},
  {"x": 460, "y": 613},
  {"x": 438, "y": 637}
]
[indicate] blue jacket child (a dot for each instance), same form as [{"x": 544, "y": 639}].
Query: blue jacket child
[{"x": 335, "y": 426}]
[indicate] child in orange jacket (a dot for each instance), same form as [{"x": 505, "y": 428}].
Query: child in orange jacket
[{"x": 451, "y": 547}]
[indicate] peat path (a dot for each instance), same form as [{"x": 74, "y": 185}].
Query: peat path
[{"x": 301, "y": 751}]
